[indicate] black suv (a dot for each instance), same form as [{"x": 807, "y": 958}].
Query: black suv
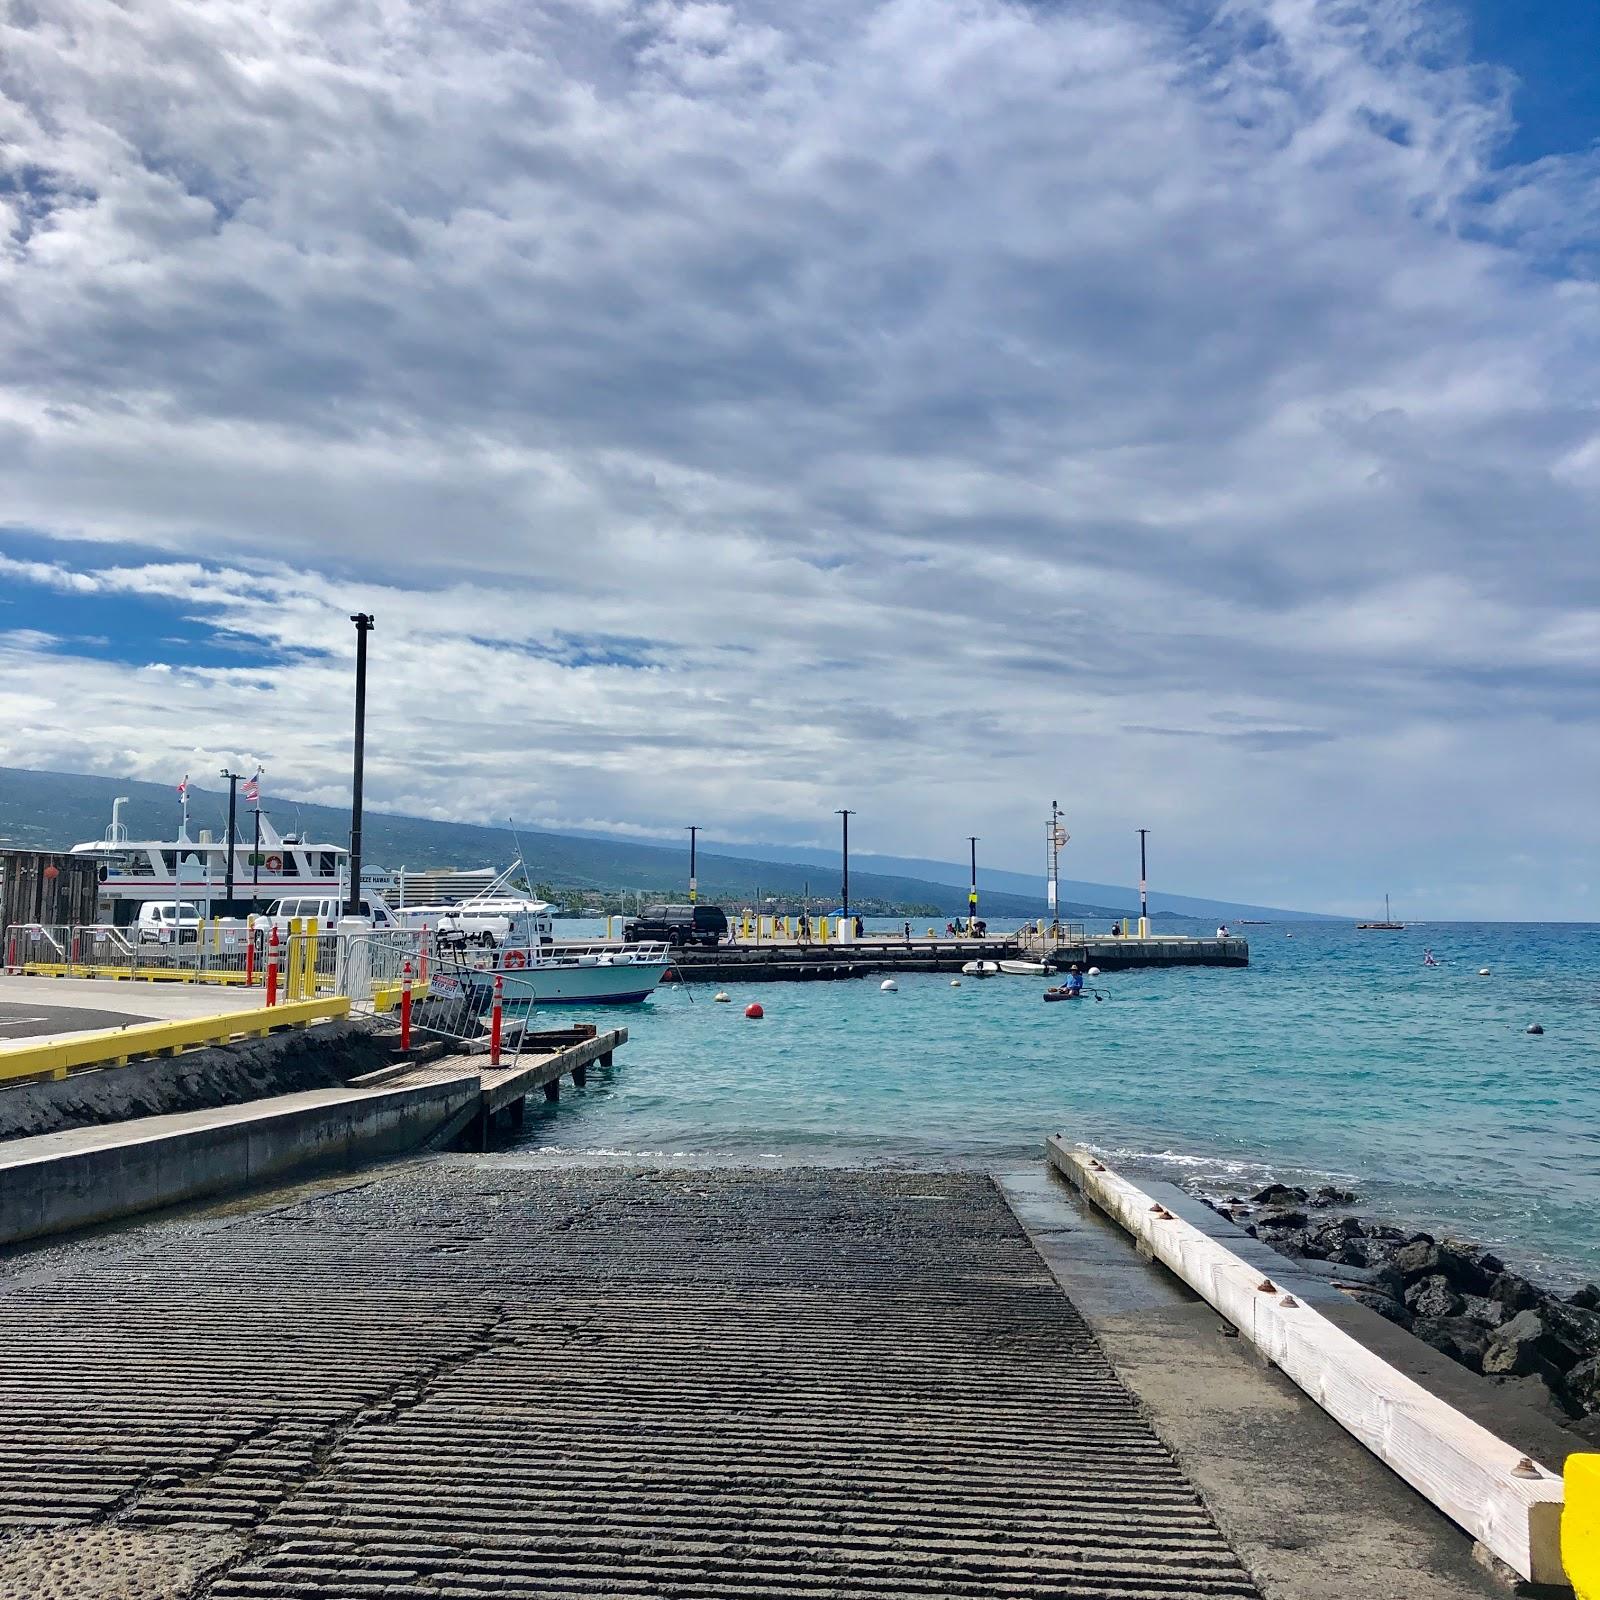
[{"x": 678, "y": 925}]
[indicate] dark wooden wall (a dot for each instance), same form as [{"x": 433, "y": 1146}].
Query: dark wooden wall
[{"x": 27, "y": 895}]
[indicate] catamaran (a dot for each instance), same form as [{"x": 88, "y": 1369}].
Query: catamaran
[{"x": 1388, "y": 924}]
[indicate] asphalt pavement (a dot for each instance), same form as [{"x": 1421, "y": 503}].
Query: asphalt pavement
[{"x": 30, "y": 1020}]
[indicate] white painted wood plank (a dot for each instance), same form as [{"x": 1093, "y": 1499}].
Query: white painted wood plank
[{"x": 1475, "y": 1478}]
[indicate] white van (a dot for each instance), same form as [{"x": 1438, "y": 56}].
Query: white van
[
  {"x": 329, "y": 910},
  {"x": 169, "y": 922}
]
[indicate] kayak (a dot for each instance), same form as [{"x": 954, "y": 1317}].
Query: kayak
[{"x": 1063, "y": 994}]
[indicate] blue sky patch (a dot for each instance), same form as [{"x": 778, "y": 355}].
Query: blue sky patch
[{"x": 135, "y": 630}]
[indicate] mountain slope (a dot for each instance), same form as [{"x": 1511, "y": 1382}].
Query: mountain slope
[{"x": 53, "y": 810}]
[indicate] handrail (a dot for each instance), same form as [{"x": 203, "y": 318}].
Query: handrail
[{"x": 117, "y": 1046}]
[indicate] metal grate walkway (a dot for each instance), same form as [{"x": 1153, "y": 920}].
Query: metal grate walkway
[{"x": 472, "y": 1381}]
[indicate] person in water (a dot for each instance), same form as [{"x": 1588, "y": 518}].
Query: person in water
[
  {"x": 1074, "y": 981},
  {"x": 1427, "y": 959}
]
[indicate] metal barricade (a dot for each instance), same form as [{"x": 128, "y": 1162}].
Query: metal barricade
[{"x": 213, "y": 950}]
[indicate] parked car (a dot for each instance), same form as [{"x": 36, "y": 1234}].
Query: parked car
[
  {"x": 169, "y": 922},
  {"x": 677, "y": 925}
]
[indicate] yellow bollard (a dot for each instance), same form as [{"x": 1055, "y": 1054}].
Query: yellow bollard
[
  {"x": 291, "y": 962},
  {"x": 308, "y": 984},
  {"x": 819, "y": 930},
  {"x": 1580, "y": 1525}
]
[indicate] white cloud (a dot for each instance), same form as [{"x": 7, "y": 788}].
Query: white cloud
[{"x": 924, "y": 400}]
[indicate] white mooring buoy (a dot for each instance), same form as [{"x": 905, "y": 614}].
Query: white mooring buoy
[
  {"x": 1535, "y": 1027},
  {"x": 1483, "y": 972},
  {"x": 955, "y": 983},
  {"x": 1094, "y": 972},
  {"x": 722, "y": 995},
  {"x": 888, "y": 983}
]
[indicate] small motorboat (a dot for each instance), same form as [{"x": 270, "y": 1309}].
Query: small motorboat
[
  {"x": 980, "y": 969},
  {"x": 1064, "y": 994},
  {"x": 1023, "y": 969}
]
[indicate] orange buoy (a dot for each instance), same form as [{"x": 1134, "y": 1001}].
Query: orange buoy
[{"x": 753, "y": 1010}]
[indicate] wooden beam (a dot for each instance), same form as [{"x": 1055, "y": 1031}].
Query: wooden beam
[{"x": 1511, "y": 1505}]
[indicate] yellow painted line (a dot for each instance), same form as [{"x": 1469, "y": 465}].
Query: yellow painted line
[
  {"x": 1580, "y": 1526},
  {"x": 115, "y": 1046}
]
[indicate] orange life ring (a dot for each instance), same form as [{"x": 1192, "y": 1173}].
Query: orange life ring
[
  {"x": 273, "y": 863},
  {"x": 514, "y": 958}
]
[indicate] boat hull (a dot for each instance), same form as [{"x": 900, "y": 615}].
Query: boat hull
[{"x": 557, "y": 984}]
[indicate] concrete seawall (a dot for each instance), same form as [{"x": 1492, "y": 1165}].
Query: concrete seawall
[{"x": 58, "y": 1181}]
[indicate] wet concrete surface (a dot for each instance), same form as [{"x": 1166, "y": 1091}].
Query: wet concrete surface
[
  {"x": 468, "y": 1379},
  {"x": 1311, "y": 1512}
]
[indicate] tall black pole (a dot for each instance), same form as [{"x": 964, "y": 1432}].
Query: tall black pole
[
  {"x": 972, "y": 892},
  {"x": 694, "y": 887},
  {"x": 364, "y": 625},
  {"x": 844, "y": 893},
  {"x": 255, "y": 857},
  {"x": 233, "y": 804},
  {"x": 1144, "y": 901}
]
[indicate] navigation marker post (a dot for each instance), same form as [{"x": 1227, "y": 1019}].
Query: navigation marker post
[
  {"x": 844, "y": 893},
  {"x": 1144, "y": 899},
  {"x": 1055, "y": 837},
  {"x": 694, "y": 829},
  {"x": 972, "y": 892}
]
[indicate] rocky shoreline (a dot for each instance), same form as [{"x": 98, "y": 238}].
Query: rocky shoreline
[{"x": 1459, "y": 1297}]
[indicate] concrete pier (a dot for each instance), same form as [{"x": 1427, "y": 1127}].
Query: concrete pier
[{"x": 880, "y": 955}]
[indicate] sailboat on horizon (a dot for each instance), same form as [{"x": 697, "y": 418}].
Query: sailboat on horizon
[{"x": 1388, "y": 924}]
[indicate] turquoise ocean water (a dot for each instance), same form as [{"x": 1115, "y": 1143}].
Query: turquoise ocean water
[{"x": 1337, "y": 1056}]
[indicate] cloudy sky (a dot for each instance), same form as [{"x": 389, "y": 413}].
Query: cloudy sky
[{"x": 735, "y": 411}]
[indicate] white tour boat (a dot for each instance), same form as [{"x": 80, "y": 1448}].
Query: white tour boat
[{"x": 133, "y": 871}]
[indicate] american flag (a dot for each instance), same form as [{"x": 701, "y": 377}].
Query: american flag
[
  {"x": 252, "y": 786},
  {"x": 183, "y": 788}
]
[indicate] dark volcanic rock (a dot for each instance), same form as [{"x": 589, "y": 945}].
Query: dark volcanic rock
[
  {"x": 1482, "y": 1309},
  {"x": 1422, "y": 1258},
  {"x": 1576, "y": 1328},
  {"x": 1460, "y": 1338},
  {"x": 1588, "y": 1297},
  {"x": 1386, "y": 1307},
  {"x": 1418, "y": 1259},
  {"x": 1280, "y": 1194},
  {"x": 1352, "y": 1253},
  {"x": 1514, "y": 1292},
  {"x": 1327, "y": 1195},
  {"x": 1433, "y": 1297},
  {"x": 1524, "y": 1344},
  {"x": 1284, "y": 1218},
  {"x": 1583, "y": 1384}
]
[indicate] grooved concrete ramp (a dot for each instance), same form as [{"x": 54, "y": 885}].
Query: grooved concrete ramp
[{"x": 471, "y": 1381}]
